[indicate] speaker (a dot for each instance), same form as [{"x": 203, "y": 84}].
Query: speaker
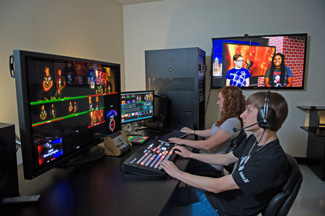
[
  {"x": 266, "y": 115},
  {"x": 8, "y": 162},
  {"x": 179, "y": 75}
]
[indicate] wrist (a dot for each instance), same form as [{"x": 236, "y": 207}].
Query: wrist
[
  {"x": 194, "y": 132},
  {"x": 178, "y": 174}
]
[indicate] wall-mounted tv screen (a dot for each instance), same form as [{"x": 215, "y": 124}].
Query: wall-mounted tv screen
[
  {"x": 66, "y": 106},
  {"x": 266, "y": 61}
]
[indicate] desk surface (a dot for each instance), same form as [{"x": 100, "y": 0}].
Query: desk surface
[
  {"x": 320, "y": 108},
  {"x": 96, "y": 188}
]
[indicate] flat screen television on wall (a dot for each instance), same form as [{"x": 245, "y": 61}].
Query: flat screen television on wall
[
  {"x": 264, "y": 61},
  {"x": 66, "y": 106}
]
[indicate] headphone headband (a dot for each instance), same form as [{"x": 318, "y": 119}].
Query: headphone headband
[{"x": 266, "y": 114}]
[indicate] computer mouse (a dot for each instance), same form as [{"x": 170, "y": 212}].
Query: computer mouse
[{"x": 176, "y": 151}]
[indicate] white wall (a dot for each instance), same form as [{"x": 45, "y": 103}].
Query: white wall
[
  {"x": 192, "y": 23},
  {"x": 90, "y": 29}
]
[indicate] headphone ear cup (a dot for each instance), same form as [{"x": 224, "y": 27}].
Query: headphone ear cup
[
  {"x": 270, "y": 117},
  {"x": 266, "y": 121},
  {"x": 260, "y": 118}
]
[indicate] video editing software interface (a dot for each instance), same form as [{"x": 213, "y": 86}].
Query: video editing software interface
[
  {"x": 71, "y": 104},
  {"x": 137, "y": 106}
]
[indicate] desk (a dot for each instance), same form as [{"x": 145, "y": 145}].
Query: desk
[{"x": 96, "y": 188}]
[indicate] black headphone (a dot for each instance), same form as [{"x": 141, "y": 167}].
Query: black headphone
[{"x": 266, "y": 115}]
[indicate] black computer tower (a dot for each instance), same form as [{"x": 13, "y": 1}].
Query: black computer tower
[{"x": 179, "y": 74}]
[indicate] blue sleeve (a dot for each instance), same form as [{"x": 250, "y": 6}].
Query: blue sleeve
[
  {"x": 289, "y": 72},
  {"x": 228, "y": 74},
  {"x": 248, "y": 75}
]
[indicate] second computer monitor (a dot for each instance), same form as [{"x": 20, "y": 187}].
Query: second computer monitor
[{"x": 137, "y": 106}]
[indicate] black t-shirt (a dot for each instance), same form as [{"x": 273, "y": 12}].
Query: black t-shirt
[{"x": 258, "y": 177}]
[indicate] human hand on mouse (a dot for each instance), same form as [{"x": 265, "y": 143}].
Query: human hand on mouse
[
  {"x": 187, "y": 130},
  {"x": 182, "y": 151}
]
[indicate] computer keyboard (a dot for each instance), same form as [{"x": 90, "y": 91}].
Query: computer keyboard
[
  {"x": 146, "y": 160},
  {"x": 177, "y": 134}
]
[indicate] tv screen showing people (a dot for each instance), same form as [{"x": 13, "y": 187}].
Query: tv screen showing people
[{"x": 268, "y": 61}]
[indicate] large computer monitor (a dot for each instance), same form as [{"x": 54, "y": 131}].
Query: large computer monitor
[
  {"x": 136, "y": 106},
  {"x": 66, "y": 106}
]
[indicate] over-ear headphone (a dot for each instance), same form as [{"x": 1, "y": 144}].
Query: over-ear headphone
[{"x": 266, "y": 115}]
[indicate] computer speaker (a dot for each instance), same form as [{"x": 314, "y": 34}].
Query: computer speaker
[{"x": 8, "y": 162}]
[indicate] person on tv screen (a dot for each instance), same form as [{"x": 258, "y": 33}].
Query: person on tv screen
[
  {"x": 70, "y": 73},
  {"x": 60, "y": 84},
  {"x": 238, "y": 76},
  {"x": 43, "y": 113},
  {"x": 262, "y": 169},
  {"x": 278, "y": 75},
  {"x": 53, "y": 111},
  {"x": 47, "y": 84},
  {"x": 231, "y": 102}
]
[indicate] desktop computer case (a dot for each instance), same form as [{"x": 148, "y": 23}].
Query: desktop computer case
[{"x": 179, "y": 74}]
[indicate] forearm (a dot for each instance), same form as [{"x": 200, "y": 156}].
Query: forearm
[
  {"x": 267, "y": 82},
  {"x": 193, "y": 180},
  {"x": 289, "y": 82},
  {"x": 218, "y": 159},
  {"x": 214, "y": 185},
  {"x": 199, "y": 144},
  {"x": 247, "y": 82},
  {"x": 202, "y": 133}
]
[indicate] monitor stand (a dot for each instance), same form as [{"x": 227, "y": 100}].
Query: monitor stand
[
  {"x": 133, "y": 127},
  {"x": 92, "y": 154},
  {"x": 140, "y": 125}
]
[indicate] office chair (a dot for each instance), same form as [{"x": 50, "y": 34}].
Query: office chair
[
  {"x": 281, "y": 203},
  {"x": 234, "y": 143}
]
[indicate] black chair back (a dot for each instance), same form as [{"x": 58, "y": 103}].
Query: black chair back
[{"x": 281, "y": 203}]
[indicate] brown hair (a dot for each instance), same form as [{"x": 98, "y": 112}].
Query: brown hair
[
  {"x": 235, "y": 57},
  {"x": 233, "y": 104},
  {"x": 276, "y": 102}
]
